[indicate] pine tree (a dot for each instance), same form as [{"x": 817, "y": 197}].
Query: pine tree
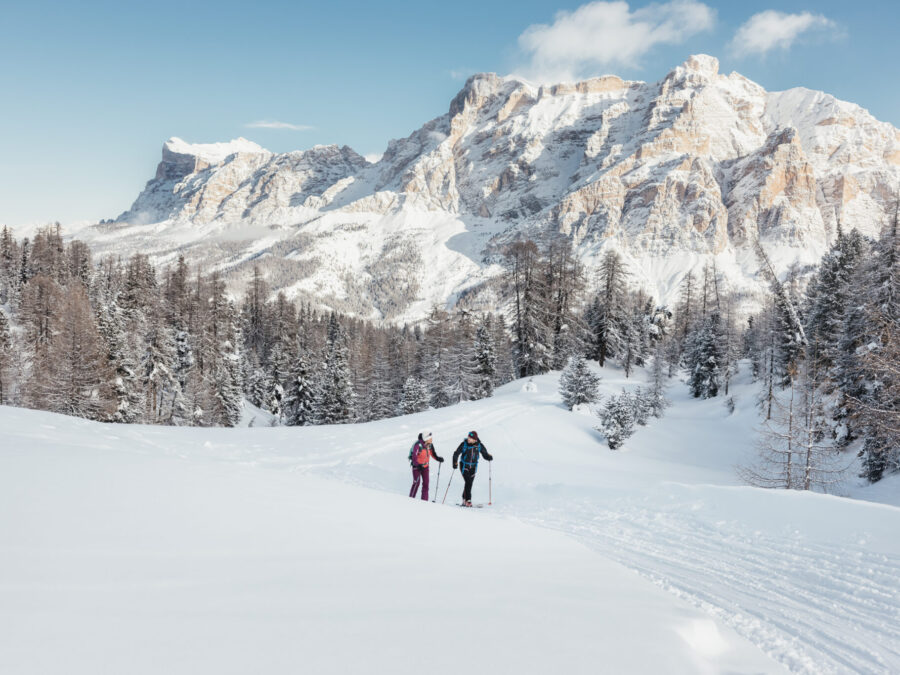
[
  {"x": 876, "y": 410},
  {"x": 335, "y": 404},
  {"x": 641, "y": 405},
  {"x": 829, "y": 299},
  {"x": 158, "y": 378},
  {"x": 658, "y": 377},
  {"x": 463, "y": 378},
  {"x": 6, "y": 359},
  {"x": 532, "y": 336},
  {"x": 436, "y": 358},
  {"x": 608, "y": 317},
  {"x": 301, "y": 394},
  {"x": 704, "y": 358},
  {"x": 414, "y": 398},
  {"x": 564, "y": 280},
  {"x": 577, "y": 384},
  {"x": 617, "y": 420},
  {"x": 485, "y": 359}
]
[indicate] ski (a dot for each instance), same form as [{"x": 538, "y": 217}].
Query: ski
[{"x": 472, "y": 506}]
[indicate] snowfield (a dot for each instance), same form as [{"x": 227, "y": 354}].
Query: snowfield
[{"x": 275, "y": 550}]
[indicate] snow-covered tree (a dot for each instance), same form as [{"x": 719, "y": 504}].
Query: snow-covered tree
[
  {"x": 335, "y": 404},
  {"x": 577, "y": 384},
  {"x": 485, "y": 359},
  {"x": 608, "y": 317},
  {"x": 656, "y": 392},
  {"x": 532, "y": 337},
  {"x": 414, "y": 397},
  {"x": 6, "y": 358},
  {"x": 300, "y": 395},
  {"x": 617, "y": 420},
  {"x": 704, "y": 358}
]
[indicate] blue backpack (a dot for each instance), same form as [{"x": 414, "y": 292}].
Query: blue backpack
[{"x": 469, "y": 456}]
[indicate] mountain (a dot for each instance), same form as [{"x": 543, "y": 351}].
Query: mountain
[{"x": 698, "y": 164}]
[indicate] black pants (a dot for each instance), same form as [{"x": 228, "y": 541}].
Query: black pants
[{"x": 469, "y": 478}]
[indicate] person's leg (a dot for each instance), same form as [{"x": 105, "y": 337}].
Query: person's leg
[
  {"x": 468, "y": 479},
  {"x": 425, "y": 474},
  {"x": 415, "y": 486}
]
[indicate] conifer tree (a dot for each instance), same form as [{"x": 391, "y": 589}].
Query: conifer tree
[
  {"x": 485, "y": 358},
  {"x": 608, "y": 317},
  {"x": 577, "y": 384},
  {"x": 335, "y": 404},
  {"x": 68, "y": 372},
  {"x": 704, "y": 359},
  {"x": 414, "y": 397},
  {"x": 6, "y": 359},
  {"x": 532, "y": 336},
  {"x": 617, "y": 420},
  {"x": 656, "y": 393},
  {"x": 301, "y": 395}
]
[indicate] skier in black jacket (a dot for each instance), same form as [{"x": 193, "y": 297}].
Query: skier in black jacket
[{"x": 466, "y": 458}]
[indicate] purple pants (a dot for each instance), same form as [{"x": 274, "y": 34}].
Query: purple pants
[{"x": 420, "y": 473}]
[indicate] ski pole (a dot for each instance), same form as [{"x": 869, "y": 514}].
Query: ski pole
[
  {"x": 437, "y": 483},
  {"x": 448, "y": 488},
  {"x": 490, "y": 484}
]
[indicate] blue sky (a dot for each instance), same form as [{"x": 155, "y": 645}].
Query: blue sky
[{"x": 91, "y": 90}]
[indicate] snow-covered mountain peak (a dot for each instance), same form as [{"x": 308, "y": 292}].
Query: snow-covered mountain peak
[
  {"x": 211, "y": 153},
  {"x": 698, "y": 164}
]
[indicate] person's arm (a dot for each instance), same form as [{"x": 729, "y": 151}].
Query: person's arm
[
  {"x": 484, "y": 453},
  {"x": 457, "y": 454},
  {"x": 434, "y": 453}
]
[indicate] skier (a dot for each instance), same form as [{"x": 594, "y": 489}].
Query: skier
[
  {"x": 466, "y": 456},
  {"x": 420, "y": 454}
]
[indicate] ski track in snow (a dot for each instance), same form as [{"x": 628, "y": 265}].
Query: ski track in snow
[{"x": 751, "y": 582}]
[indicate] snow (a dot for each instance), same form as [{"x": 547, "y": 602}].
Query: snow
[
  {"x": 148, "y": 549},
  {"x": 213, "y": 153}
]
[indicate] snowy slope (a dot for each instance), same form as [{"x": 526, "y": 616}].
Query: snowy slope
[
  {"x": 228, "y": 550},
  {"x": 697, "y": 165}
]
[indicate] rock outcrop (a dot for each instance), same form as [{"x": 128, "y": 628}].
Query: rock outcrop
[{"x": 698, "y": 164}]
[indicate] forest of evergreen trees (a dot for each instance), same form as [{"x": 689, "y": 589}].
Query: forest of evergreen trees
[{"x": 117, "y": 340}]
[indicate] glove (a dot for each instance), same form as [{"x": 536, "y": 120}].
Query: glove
[
  {"x": 455, "y": 465},
  {"x": 440, "y": 459}
]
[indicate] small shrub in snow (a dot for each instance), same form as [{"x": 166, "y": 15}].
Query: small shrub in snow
[
  {"x": 640, "y": 400},
  {"x": 617, "y": 420},
  {"x": 578, "y": 384},
  {"x": 729, "y": 403}
]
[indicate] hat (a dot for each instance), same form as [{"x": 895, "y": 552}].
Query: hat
[
  {"x": 428, "y": 437},
  {"x": 473, "y": 435}
]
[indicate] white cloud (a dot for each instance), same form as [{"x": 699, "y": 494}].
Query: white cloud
[
  {"x": 772, "y": 29},
  {"x": 275, "y": 124},
  {"x": 601, "y": 34}
]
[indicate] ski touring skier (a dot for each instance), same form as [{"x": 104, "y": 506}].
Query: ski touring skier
[
  {"x": 466, "y": 458},
  {"x": 419, "y": 456}
]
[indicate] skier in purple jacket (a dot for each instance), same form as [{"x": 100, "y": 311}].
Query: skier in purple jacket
[{"x": 420, "y": 454}]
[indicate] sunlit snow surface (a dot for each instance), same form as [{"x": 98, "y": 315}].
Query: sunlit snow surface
[{"x": 286, "y": 550}]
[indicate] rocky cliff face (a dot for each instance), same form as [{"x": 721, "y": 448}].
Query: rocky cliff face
[{"x": 695, "y": 165}]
